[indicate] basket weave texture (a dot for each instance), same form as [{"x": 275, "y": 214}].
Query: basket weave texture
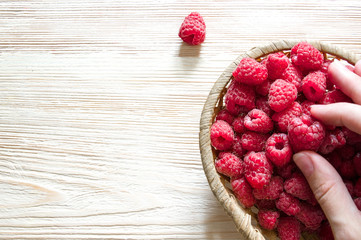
[{"x": 244, "y": 219}]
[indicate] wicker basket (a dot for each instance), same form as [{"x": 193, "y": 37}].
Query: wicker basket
[{"x": 245, "y": 219}]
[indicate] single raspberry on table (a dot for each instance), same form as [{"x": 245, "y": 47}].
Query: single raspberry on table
[
  {"x": 333, "y": 140},
  {"x": 237, "y": 148},
  {"x": 193, "y": 29},
  {"x": 225, "y": 116},
  {"x": 238, "y": 124},
  {"x": 293, "y": 75},
  {"x": 278, "y": 149},
  {"x": 230, "y": 165},
  {"x": 258, "y": 171},
  {"x": 284, "y": 118},
  {"x": 314, "y": 86},
  {"x": 263, "y": 88},
  {"x": 306, "y": 107},
  {"x": 271, "y": 191},
  {"x": 268, "y": 219},
  {"x": 334, "y": 96},
  {"x": 357, "y": 188},
  {"x": 306, "y": 57},
  {"x": 253, "y": 141},
  {"x": 310, "y": 216},
  {"x": 357, "y": 202},
  {"x": 276, "y": 64},
  {"x": 357, "y": 163},
  {"x": 243, "y": 191},
  {"x": 239, "y": 98},
  {"x": 350, "y": 187},
  {"x": 262, "y": 104},
  {"x": 305, "y": 133},
  {"x": 326, "y": 231},
  {"x": 281, "y": 95},
  {"x": 222, "y": 135},
  {"x": 258, "y": 121},
  {"x": 265, "y": 204},
  {"x": 289, "y": 228},
  {"x": 288, "y": 204},
  {"x": 250, "y": 72},
  {"x": 298, "y": 186},
  {"x": 286, "y": 171}
]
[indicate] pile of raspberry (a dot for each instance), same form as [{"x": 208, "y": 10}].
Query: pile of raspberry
[{"x": 266, "y": 119}]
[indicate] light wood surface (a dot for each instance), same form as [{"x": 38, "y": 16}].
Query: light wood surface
[{"x": 100, "y": 104}]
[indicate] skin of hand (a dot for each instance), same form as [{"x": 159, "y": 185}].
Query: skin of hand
[{"x": 327, "y": 185}]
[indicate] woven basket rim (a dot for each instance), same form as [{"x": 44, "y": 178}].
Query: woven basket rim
[{"x": 245, "y": 222}]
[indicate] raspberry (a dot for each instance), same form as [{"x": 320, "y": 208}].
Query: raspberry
[
  {"x": 278, "y": 149},
  {"x": 310, "y": 216},
  {"x": 357, "y": 188},
  {"x": 333, "y": 139},
  {"x": 238, "y": 124},
  {"x": 225, "y": 116},
  {"x": 347, "y": 151},
  {"x": 305, "y": 134},
  {"x": 239, "y": 98},
  {"x": 268, "y": 219},
  {"x": 265, "y": 204},
  {"x": 347, "y": 169},
  {"x": 349, "y": 186},
  {"x": 253, "y": 141},
  {"x": 351, "y": 137},
  {"x": 289, "y": 228},
  {"x": 250, "y": 72},
  {"x": 357, "y": 202},
  {"x": 335, "y": 160},
  {"x": 258, "y": 121},
  {"x": 285, "y": 117},
  {"x": 314, "y": 86},
  {"x": 287, "y": 170},
  {"x": 288, "y": 204},
  {"x": 276, "y": 64},
  {"x": 281, "y": 95},
  {"x": 306, "y": 57},
  {"x": 262, "y": 104},
  {"x": 334, "y": 96},
  {"x": 271, "y": 191},
  {"x": 258, "y": 170},
  {"x": 193, "y": 29},
  {"x": 230, "y": 165},
  {"x": 326, "y": 232},
  {"x": 222, "y": 135},
  {"x": 357, "y": 163},
  {"x": 293, "y": 75},
  {"x": 263, "y": 88},
  {"x": 243, "y": 192},
  {"x": 297, "y": 186},
  {"x": 237, "y": 148},
  {"x": 306, "y": 107},
  {"x": 325, "y": 65}
]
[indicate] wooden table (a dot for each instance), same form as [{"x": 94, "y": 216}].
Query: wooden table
[{"x": 100, "y": 107}]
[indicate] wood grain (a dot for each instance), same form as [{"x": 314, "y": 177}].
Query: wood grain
[{"x": 100, "y": 108}]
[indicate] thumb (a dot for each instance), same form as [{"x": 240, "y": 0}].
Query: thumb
[{"x": 328, "y": 188}]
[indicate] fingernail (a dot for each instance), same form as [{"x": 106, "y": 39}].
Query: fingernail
[{"x": 304, "y": 162}]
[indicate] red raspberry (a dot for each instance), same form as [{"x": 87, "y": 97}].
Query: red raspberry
[
  {"x": 281, "y": 95},
  {"x": 351, "y": 137},
  {"x": 287, "y": 170},
  {"x": 243, "y": 192},
  {"x": 268, "y": 219},
  {"x": 263, "y": 88},
  {"x": 297, "y": 186},
  {"x": 306, "y": 107},
  {"x": 258, "y": 170},
  {"x": 278, "y": 149},
  {"x": 357, "y": 202},
  {"x": 239, "y": 98},
  {"x": 306, "y": 57},
  {"x": 271, "y": 191},
  {"x": 357, "y": 188},
  {"x": 238, "y": 124},
  {"x": 325, "y": 65},
  {"x": 285, "y": 117},
  {"x": 265, "y": 204},
  {"x": 230, "y": 165},
  {"x": 357, "y": 163},
  {"x": 305, "y": 134},
  {"x": 222, "y": 135},
  {"x": 225, "y": 116},
  {"x": 314, "y": 86},
  {"x": 253, "y": 141},
  {"x": 262, "y": 104},
  {"x": 258, "y": 121},
  {"x": 310, "y": 216},
  {"x": 237, "y": 148},
  {"x": 289, "y": 228},
  {"x": 293, "y": 75},
  {"x": 347, "y": 169},
  {"x": 346, "y": 151},
  {"x": 349, "y": 186},
  {"x": 333, "y": 139},
  {"x": 276, "y": 64},
  {"x": 288, "y": 204},
  {"x": 334, "y": 96},
  {"x": 250, "y": 72},
  {"x": 326, "y": 232},
  {"x": 335, "y": 160},
  {"x": 193, "y": 29}
]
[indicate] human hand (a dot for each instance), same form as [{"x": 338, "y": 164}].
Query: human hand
[{"x": 327, "y": 185}]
